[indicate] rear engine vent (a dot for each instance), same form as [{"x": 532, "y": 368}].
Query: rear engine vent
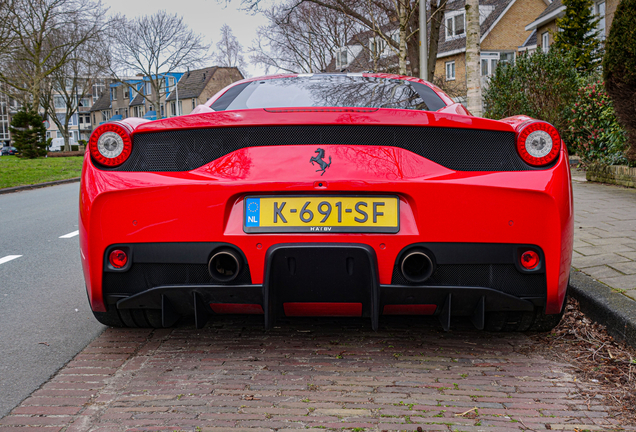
[{"x": 453, "y": 148}]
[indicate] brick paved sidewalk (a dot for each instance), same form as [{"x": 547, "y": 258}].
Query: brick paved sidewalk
[
  {"x": 331, "y": 375},
  {"x": 605, "y": 233}
]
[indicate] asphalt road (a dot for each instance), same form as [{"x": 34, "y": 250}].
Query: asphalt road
[{"x": 44, "y": 315}]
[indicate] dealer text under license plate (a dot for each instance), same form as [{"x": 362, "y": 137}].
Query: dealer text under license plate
[{"x": 322, "y": 214}]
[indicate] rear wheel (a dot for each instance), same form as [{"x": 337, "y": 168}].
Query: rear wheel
[
  {"x": 537, "y": 321},
  {"x": 144, "y": 318}
]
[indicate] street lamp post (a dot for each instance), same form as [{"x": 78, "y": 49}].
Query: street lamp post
[{"x": 423, "y": 41}]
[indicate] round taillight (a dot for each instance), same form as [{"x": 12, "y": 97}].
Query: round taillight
[
  {"x": 538, "y": 143},
  {"x": 118, "y": 258},
  {"x": 530, "y": 260},
  {"x": 110, "y": 144}
]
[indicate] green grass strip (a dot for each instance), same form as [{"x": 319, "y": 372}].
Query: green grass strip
[{"x": 20, "y": 172}]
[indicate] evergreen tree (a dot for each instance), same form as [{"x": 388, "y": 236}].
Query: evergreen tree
[
  {"x": 28, "y": 133},
  {"x": 578, "y": 34},
  {"x": 619, "y": 70}
]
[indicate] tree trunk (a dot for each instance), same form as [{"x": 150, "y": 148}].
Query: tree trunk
[
  {"x": 67, "y": 144},
  {"x": 473, "y": 78},
  {"x": 437, "y": 16},
  {"x": 403, "y": 23}
]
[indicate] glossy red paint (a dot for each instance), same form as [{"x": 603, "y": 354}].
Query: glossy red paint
[
  {"x": 436, "y": 204},
  {"x": 236, "y": 308},
  {"x": 409, "y": 309},
  {"x": 323, "y": 309}
]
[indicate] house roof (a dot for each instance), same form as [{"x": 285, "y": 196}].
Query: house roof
[
  {"x": 103, "y": 103},
  {"x": 531, "y": 42},
  {"x": 138, "y": 100},
  {"x": 453, "y": 46},
  {"x": 550, "y": 13},
  {"x": 192, "y": 83}
]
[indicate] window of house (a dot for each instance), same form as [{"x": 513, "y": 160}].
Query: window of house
[
  {"x": 85, "y": 102},
  {"x": 126, "y": 113},
  {"x": 98, "y": 89},
  {"x": 59, "y": 134},
  {"x": 600, "y": 14},
  {"x": 450, "y": 71},
  {"x": 194, "y": 103},
  {"x": 59, "y": 102},
  {"x": 489, "y": 62},
  {"x": 162, "y": 111},
  {"x": 341, "y": 58},
  {"x": 455, "y": 24},
  {"x": 94, "y": 119},
  {"x": 507, "y": 57},
  {"x": 126, "y": 92},
  {"x": 106, "y": 115},
  {"x": 173, "y": 108},
  {"x": 180, "y": 107},
  {"x": 148, "y": 88},
  {"x": 545, "y": 42},
  {"x": 377, "y": 45},
  {"x": 113, "y": 93}
]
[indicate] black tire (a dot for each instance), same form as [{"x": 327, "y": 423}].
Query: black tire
[
  {"x": 133, "y": 318},
  {"x": 537, "y": 321}
]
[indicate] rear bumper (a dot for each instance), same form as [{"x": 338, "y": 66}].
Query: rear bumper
[
  {"x": 325, "y": 279},
  {"x": 437, "y": 206}
]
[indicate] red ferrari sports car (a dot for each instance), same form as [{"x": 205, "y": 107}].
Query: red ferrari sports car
[{"x": 327, "y": 195}]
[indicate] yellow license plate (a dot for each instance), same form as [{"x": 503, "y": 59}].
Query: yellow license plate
[{"x": 322, "y": 214}]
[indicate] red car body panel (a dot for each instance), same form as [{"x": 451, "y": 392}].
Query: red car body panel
[{"x": 437, "y": 204}]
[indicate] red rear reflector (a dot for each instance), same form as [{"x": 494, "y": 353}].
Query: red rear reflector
[
  {"x": 237, "y": 308},
  {"x": 412, "y": 309},
  {"x": 529, "y": 260},
  {"x": 118, "y": 258},
  {"x": 323, "y": 309}
]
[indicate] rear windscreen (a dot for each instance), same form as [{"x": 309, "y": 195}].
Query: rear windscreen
[{"x": 330, "y": 91}]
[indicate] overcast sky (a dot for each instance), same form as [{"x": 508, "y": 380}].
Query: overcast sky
[{"x": 203, "y": 16}]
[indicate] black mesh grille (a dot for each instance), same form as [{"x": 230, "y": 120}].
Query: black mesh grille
[
  {"x": 456, "y": 149},
  {"x": 502, "y": 277},
  {"x": 141, "y": 277}
]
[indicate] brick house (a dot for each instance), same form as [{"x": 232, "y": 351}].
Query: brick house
[
  {"x": 183, "y": 91},
  {"x": 502, "y": 26},
  {"x": 544, "y": 25},
  {"x": 197, "y": 86}
]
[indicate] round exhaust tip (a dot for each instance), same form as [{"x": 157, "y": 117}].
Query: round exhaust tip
[
  {"x": 224, "y": 265},
  {"x": 416, "y": 266}
]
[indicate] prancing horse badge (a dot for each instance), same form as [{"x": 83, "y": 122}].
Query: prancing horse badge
[{"x": 319, "y": 160}]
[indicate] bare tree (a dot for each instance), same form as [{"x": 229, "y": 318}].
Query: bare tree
[
  {"x": 473, "y": 79},
  {"x": 154, "y": 46},
  {"x": 41, "y": 37},
  {"x": 301, "y": 37},
  {"x": 67, "y": 89},
  {"x": 385, "y": 29},
  {"x": 230, "y": 51}
]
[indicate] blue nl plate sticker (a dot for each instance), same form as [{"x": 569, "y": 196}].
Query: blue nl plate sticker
[{"x": 252, "y": 212}]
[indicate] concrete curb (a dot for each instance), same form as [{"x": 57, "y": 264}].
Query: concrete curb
[
  {"x": 39, "y": 185},
  {"x": 612, "y": 309}
]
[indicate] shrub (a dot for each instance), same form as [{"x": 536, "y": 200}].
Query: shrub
[
  {"x": 596, "y": 135},
  {"x": 540, "y": 85},
  {"x": 28, "y": 133},
  {"x": 619, "y": 69}
]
